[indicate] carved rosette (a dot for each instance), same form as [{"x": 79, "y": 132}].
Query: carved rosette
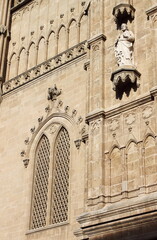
[{"x": 124, "y": 75}]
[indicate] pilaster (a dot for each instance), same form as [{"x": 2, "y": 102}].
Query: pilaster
[
  {"x": 4, "y": 36},
  {"x": 152, "y": 17},
  {"x": 95, "y": 119}
]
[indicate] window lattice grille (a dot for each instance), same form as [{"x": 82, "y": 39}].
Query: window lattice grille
[
  {"x": 60, "y": 189},
  {"x": 40, "y": 195}
]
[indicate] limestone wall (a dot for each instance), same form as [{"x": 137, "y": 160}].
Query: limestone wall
[{"x": 69, "y": 45}]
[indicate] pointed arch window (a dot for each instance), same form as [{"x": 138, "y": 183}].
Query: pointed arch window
[
  {"x": 50, "y": 195},
  {"x": 61, "y": 178},
  {"x": 41, "y": 176}
]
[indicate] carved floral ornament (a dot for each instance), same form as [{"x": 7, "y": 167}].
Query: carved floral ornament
[
  {"x": 113, "y": 124},
  {"x": 130, "y": 118},
  {"x": 95, "y": 126},
  {"x": 147, "y": 112}
]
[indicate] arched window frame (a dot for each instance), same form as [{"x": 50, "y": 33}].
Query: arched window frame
[{"x": 52, "y": 140}]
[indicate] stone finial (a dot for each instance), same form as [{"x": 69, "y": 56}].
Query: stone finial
[{"x": 53, "y": 93}]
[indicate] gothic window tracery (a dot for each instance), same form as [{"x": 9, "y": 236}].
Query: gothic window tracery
[{"x": 50, "y": 197}]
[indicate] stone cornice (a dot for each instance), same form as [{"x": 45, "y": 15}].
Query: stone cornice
[
  {"x": 98, "y": 113},
  {"x": 124, "y": 214},
  {"x": 116, "y": 110},
  {"x": 19, "y": 5},
  {"x": 45, "y": 67},
  {"x": 96, "y": 38},
  {"x": 128, "y": 106},
  {"x": 151, "y": 11}
]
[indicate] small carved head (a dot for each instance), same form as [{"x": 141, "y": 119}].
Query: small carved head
[{"x": 124, "y": 27}]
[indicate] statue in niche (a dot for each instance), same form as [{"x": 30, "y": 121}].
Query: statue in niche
[{"x": 124, "y": 46}]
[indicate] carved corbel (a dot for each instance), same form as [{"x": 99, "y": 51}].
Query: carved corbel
[{"x": 124, "y": 75}]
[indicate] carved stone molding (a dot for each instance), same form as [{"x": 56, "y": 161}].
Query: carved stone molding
[
  {"x": 152, "y": 13},
  {"x": 113, "y": 219},
  {"x": 96, "y": 39},
  {"x": 19, "y": 3},
  {"x": 98, "y": 113},
  {"x": 45, "y": 67},
  {"x": 122, "y": 13},
  {"x": 124, "y": 75}
]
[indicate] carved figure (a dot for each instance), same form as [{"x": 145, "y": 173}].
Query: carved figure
[
  {"x": 53, "y": 93},
  {"x": 124, "y": 46}
]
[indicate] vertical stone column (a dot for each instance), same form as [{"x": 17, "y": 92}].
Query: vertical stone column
[
  {"x": 152, "y": 16},
  {"x": 4, "y": 34},
  {"x": 95, "y": 106}
]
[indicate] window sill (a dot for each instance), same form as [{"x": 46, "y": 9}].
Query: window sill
[{"x": 46, "y": 228}]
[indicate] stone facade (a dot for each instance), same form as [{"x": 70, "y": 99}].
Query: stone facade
[{"x": 78, "y": 156}]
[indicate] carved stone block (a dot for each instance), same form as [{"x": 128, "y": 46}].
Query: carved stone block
[{"x": 125, "y": 75}]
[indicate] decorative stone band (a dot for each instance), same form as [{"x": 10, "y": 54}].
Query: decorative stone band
[
  {"x": 45, "y": 67},
  {"x": 151, "y": 12},
  {"x": 124, "y": 74},
  {"x": 113, "y": 220},
  {"x": 18, "y": 4}
]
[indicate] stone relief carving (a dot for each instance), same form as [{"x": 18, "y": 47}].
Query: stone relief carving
[
  {"x": 32, "y": 130},
  {"x": 53, "y": 128},
  {"x": 147, "y": 112},
  {"x": 53, "y": 93},
  {"x": 80, "y": 120},
  {"x": 40, "y": 119},
  {"x": 26, "y": 162},
  {"x": 124, "y": 46},
  {"x": 78, "y": 143},
  {"x": 114, "y": 124},
  {"x": 23, "y": 153},
  {"x": 130, "y": 118},
  {"x": 95, "y": 126},
  {"x": 3, "y": 29},
  {"x": 74, "y": 112},
  {"x": 26, "y": 141},
  {"x": 47, "y": 109}
]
